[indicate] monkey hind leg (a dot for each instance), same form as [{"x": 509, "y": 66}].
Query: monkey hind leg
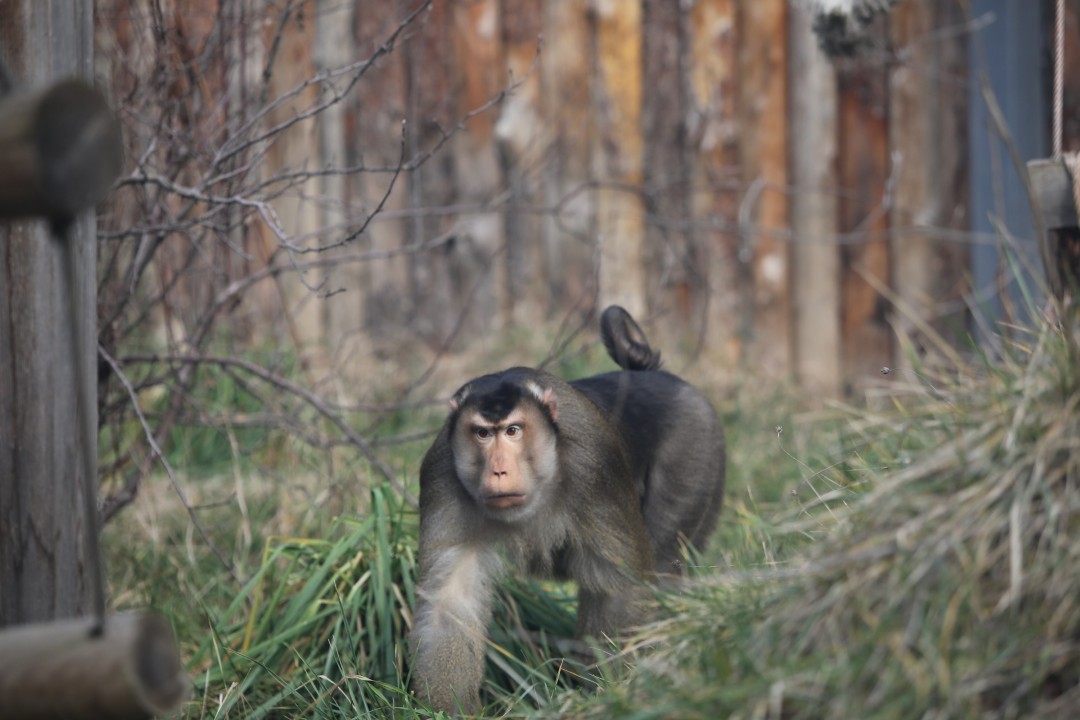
[{"x": 684, "y": 493}]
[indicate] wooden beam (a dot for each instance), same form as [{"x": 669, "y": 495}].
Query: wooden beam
[
  {"x": 60, "y": 151},
  {"x": 59, "y": 670}
]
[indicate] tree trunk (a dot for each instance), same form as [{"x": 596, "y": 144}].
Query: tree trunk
[{"x": 43, "y": 573}]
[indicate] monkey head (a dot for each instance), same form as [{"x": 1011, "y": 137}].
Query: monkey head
[{"x": 504, "y": 442}]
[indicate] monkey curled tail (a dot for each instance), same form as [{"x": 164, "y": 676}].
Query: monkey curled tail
[{"x": 600, "y": 480}]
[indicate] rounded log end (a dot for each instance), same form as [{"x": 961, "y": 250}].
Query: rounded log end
[
  {"x": 161, "y": 681},
  {"x": 79, "y": 147},
  {"x": 1053, "y": 186}
]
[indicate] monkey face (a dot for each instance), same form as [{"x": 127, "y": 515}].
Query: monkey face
[{"x": 508, "y": 463}]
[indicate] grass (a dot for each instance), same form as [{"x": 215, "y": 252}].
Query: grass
[
  {"x": 945, "y": 585},
  {"x": 914, "y": 558}
]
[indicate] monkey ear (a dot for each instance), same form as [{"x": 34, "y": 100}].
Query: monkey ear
[
  {"x": 551, "y": 404},
  {"x": 459, "y": 397}
]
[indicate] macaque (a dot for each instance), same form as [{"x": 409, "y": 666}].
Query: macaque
[{"x": 599, "y": 480}]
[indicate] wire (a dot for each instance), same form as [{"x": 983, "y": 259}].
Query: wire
[{"x": 1059, "y": 75}]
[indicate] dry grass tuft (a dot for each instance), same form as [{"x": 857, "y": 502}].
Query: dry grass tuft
[{"x": 948, "y": 585}]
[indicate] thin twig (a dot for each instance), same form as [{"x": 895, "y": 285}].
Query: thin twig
[{"x": 156, "y": 452}]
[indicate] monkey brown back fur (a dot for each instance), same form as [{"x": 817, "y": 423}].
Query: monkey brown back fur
[{"x": 598, "y": 480}]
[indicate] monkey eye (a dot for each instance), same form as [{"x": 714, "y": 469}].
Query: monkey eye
[
  {"x": 481, "y": 433},
  {"x": 513, "y": 431}
]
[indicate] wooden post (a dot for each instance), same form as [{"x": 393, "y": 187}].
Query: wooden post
[
  {"x": 43, "y": 555},
  {"x": 59, "y": 670}
]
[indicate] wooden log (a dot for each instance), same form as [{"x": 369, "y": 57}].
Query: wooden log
[
  {"x": 1053, "y": 183},
  {"x": 60, "y": 151},
  {"x": 58, "y": 670}
]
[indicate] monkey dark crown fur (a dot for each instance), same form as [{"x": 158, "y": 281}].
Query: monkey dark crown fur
[{"x": 600, "y": 480}]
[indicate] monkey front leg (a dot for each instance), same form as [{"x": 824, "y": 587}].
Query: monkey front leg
[
  {"x": 603, "y": 615},
  {"x": 449, "y": 635}
]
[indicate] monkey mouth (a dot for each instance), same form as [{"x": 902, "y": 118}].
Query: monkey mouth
[{"x": 504, "y": 500}]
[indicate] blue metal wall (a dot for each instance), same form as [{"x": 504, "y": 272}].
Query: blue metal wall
[{"x": 1011, "y": 51}]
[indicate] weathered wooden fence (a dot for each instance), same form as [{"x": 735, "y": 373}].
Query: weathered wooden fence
[{"x": 701, "y": 163}]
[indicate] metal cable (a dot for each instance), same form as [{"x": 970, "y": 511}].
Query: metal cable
[{"x": 1059, "y": 75}]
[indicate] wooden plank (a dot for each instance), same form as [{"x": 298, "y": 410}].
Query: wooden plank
[
  {"x": 343, "y": 310},
  {"x": 863, "y": 171},
  {"x": 477, "y": 258},
  {"x": 297, "y": 215},
  {"x": 675, "y": 283},
  {"x": 815, "y": 254},
  {"x": 374, "y": 140},
  {"x": 617, "y": 155},
  {"x": 569, "y": 230},
  {"x": 522, "y": 147},
  {"x": 717, "y": 183},
  {"x": 430, "y": 110},
  {"x": 762, "y": 33},
  {"x": 927, "y": 108}
]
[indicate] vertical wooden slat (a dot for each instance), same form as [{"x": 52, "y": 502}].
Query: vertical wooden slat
[
  {"x": 675, "y": 279},
  {"x": 762, "y": 33},
  {"x": 477, "y": 261},
  {"x": 292, "y": 150},
  {"x": 926, "y": 113},
  {"x": 617, "y": 155},
  {"x": 341, "y": 312},
  {"x": 815, "y": 255},
  {"x": 431, "y": 109},
  {"x": 569, "y": 228},
  {"x": 522, "y": 143},
  {"x": 714, "y": 51},
  {"x": 863, "y": 171},
  {"x": 376, "y": 113}
]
